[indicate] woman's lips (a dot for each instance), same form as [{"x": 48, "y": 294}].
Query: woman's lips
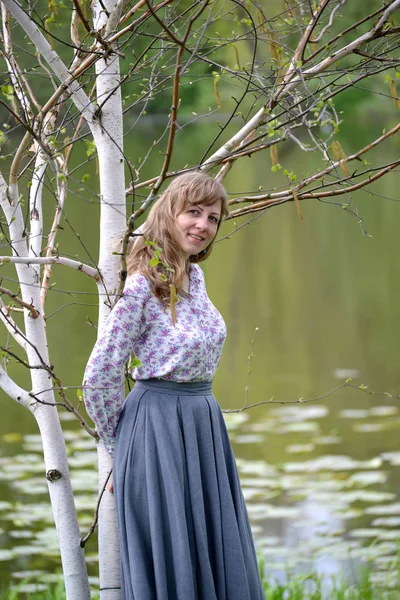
[{"x": 195, "y": 237}]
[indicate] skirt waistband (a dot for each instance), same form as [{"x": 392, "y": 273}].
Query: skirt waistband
[{"x": 187, "y": 388}]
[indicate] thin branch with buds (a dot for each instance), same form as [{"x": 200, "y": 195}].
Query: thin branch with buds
[
  {"x": 66, "y": 403},
  {"x": 346, "y": 384},
  {"x": 85, "y": 538},
  {"x": 257, "y": 206},
  {"x": 34, "y": 313},
  {"x": 53, "y": 260}
]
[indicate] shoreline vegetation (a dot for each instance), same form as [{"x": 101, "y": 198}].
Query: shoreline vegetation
[{"x": 359, "y": 585}]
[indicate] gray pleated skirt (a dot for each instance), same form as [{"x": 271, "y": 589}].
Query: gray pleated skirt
[{"x": 183, "y": 524}]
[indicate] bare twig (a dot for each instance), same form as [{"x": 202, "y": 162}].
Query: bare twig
[
  {"x": 14, "y": 71},
  {"x": 62, "y": 179},
  {"x": 356, "y": 25},
  {"x": 321, "y": 174},
  {"x": 93, "y": 32},
  {"x": 88, "y": 535},
  {"x": 34, "y": 313},
  {"x": 67, "y": 404},
  {"x": 311, "y": 195},
  {"x": 53, "y": 260},
  {"x": 249, "y": 359},
  {"x": 295, "y": 77},
  {"x": 346, "y": 384},
  {"x": 317, "y": 39},
  {"x": 11, "y": 325}
]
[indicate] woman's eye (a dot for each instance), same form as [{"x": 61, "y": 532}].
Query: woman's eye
[
  {"x": 193, "y": 211},
  {"x": 214, "y": 219}
]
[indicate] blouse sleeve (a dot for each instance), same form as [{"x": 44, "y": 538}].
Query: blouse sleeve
[{"x": 103, "y": 385}]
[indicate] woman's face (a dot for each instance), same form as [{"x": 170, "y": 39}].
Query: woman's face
[{"x": 196, "y": 227}]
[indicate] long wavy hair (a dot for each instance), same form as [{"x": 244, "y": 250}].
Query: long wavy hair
[{"x": 156, "y": 254}]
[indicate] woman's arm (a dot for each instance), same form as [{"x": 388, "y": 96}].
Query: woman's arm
[{"x": 103, "y": 385}]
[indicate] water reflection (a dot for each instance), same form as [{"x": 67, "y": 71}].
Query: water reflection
[
  {"x": 311, "y": 509},
  {"x": 326, "y": 301}
]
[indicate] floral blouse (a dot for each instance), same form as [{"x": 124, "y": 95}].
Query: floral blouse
[{"x": 190, "y": 350}]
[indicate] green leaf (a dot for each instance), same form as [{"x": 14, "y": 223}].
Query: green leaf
[
  {"x": 135, "y": 362},
  {"x": 90, "y": 147},
  {"x": 7, "y": 91}
]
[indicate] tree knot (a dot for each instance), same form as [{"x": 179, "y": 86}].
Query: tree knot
[{"x": 53, "y": 475}]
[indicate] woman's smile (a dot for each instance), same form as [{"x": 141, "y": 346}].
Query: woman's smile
[
  {"x": 196, "y": 237},
  {"x": 196, "y": 227}
]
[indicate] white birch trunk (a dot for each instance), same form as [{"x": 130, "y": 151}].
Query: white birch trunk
[
  {"x": 109, "y": 142},
  {"x": 107, "y": 132},
  {"x": 55, "y": 457}
]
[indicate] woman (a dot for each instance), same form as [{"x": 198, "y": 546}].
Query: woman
[{"x": 183, "y": 526}]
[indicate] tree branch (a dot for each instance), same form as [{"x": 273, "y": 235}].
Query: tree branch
[
  {"x": 296, "y": 77},
  {"x": 330, "y": 42},
  {"x": 34, "y": 313},
  {"x": 13, "y": 70},
  {"x": 11, "y": 325},
  {"x": 84, "y": 105},
  {"x": 346, "y": 384},
  {"x": 11, "y": 206},
  {"x": 85, "y": 538},
  {"x": 67, "y": 404},
  {"x": 299, "y": 52},
  {"x": 310, "y": 195},
  {"x": 321, "y": 174},
  {"x": 14, "y": 391},
  {"x": 53, "y": 260}
]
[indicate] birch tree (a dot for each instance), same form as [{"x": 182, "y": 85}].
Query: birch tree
[{"x": 266, "y": 74}]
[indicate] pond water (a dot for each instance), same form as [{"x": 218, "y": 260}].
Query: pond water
[
  {"x": 320, "y": 471},
  {"x": 316, "y": 508}
]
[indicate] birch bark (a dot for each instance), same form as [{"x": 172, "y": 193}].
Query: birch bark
[
  {"x": 108, "y": 136},
  {"x": 46, "y": 415},
  {"x": 107, "y": 133}
]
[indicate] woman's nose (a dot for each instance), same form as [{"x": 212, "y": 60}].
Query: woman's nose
[{"x": 202, "y": 223}]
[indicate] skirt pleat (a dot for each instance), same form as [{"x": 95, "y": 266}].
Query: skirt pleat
[{"x": 182, "y": 520}]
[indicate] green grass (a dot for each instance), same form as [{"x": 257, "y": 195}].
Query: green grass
[
  {"x": 312, "y": 586},
  {"x": 53, "y": 592},
  {"x": 296, "y": 587}
]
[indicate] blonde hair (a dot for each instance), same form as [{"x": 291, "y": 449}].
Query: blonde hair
[{"x": 156, "y": 254}]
